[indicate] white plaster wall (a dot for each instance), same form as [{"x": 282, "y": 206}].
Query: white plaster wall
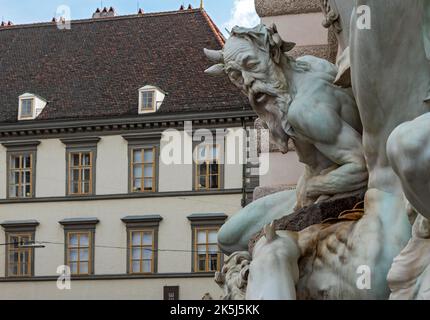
[
  {"x": 136, "y": 289},
  {"x": 282, "y": 168},
  {"x": 51, "y": 169},
  {"x": 174, "y": 230},
  {"x": 3, "y": 171},
  {"x": 303, "y": 29},
  {"x": 112, "y": 165}
]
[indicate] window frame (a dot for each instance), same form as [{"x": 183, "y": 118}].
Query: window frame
[
  {"x": 199, "y": 139},
  {"x": 139, "y": 224},
  {"x": 90, "y": 249},
  {"x": 20, "y": 227},
  {"x": 202, "y": 221},
  {"x": 143, "y": 141},
  {"x": 20, "y": 148},
  {"x": 33, "y": 108},
  {"x": 80, "y": 225},
  {"x": 207, "y": 230},
  {"x": 81, "y": 145},
  {"x": 208, "y": 163},
  {"x": 142, "y": 108},
  {"x": 130, "y": 247},
  {"x": 81, "y": 168},
  {"x": 131, "y": 178}
]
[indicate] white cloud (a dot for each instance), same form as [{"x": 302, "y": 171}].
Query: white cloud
[{"x": 243, "y": 14}]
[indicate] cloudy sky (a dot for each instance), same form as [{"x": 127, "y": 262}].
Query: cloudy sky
[{"x": 225, "y": 13}]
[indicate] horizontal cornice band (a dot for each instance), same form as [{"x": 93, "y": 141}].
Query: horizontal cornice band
[
  {"x": 93, "y": 127},
  {"x": 122, "y": 196}
]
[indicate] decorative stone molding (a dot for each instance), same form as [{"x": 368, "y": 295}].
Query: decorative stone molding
[{"x": 267, "y": 8}]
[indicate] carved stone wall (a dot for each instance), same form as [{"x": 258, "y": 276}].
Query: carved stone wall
[{"x": 267, "y": 8}]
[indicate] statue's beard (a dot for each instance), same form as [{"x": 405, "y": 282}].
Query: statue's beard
[{"x": 270, "y": 101}]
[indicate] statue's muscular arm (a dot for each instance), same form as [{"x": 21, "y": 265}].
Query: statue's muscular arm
[{"x": 320, "y": 125}]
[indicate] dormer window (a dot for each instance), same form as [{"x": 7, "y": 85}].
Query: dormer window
[
  {"x": 150, "y": 99},
  {"x": 30, "y": 106},
  {"x": 27, "y": 106}
]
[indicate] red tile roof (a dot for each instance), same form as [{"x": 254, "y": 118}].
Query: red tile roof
[{"x": 94, "y": 70}]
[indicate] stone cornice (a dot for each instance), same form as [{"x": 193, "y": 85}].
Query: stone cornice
[
  {"x": 269, "y": 8},
  {"x": 110, "y": 126}
]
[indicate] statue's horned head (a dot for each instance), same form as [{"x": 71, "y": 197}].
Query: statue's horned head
[{"x": 265, "y": 38}]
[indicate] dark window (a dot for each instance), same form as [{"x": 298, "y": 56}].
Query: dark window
[{"x": 171, "y": 292}]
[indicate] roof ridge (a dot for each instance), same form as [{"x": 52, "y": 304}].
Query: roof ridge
[{"x": 91, "y": 20}]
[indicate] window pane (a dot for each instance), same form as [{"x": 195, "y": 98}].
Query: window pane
[
  {"x": 73, "y": 240},
  {"x": 73, "y": 267},
  {"x": 147, "y": 238},
  {"x": 83, "y": 255},
  {"x": 213, "y": 263},
  {"x": 86, "y": 159},
  {"x": 214, "y": 182},
  {"x": 148, "y": 155},
  {"x": 75, "y": 175},
  {"x": 137, "y": 171},
  {"x": 135, "y": 254},
  {"x": 26, "y": 107},
  {"x": 135, "y": 266},
  {"x": 201, "y": 153},
  {"x": 213, "y": 249},
  {"x": 75, "y": 188},
  {"x": 201, "y": 263},
  {"x": 147, "y": 253},
  {"x": 137, "y": 156},
  {"x": 213, "y": 168},
  {"x": 137, "y": 184},
  {"x": 27, "y": 161},
  {"x": 86, "y": 187},
  {"x": 83, "y": 267},
  {"x": 212, "y": 236},
  {"x": 201, "y": 237},
  {"x": 27, "y": 178},
  {"x": 202, "y": 182},
  {"x": 202, "y": 169},
  {"x": 13, "y": 257},
  {"x": 83, "y": 240},
  {"x": 148, "y": 171},
  {"x": 201, "y": 249},
  {"x": 73, "y": 255},
  {"x": 86, "y": 174},
  {"x": 148, "y": 184},
  {"x": 15, "y": 162},
  {"x": 135, "y": 238},
  {"x": 13, "y": 191},
  {"x": 75, "y": 159},
  {"x": 13, "y": 269},
  {"x": 146, "y": 266}
]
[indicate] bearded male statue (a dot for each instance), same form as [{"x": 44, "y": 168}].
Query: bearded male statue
[{"x": 295, "y": 99}]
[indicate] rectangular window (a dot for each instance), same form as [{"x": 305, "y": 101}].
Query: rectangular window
[
  {"x": 207, "y": 170},
  {"x": 148, "y": 100},
  {"x": 19, "y": 258},
  {"x": 207, "y": 257},
  {"x": 79, "y": 252},
  {"x": 80, "y": 173},
  {"x": 141, "y": 251},
  {"x": 143, "y": 169},
  {"x": 171, "y": 292},
  {"x": 27, "y": 108},
  {"x": 21, "y": 175}
]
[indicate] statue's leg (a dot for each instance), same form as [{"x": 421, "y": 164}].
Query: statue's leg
[
  {"x": 408, "y": 149},
  {"x": 241, "y": 227}
]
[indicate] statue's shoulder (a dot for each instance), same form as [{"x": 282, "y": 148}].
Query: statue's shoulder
[{"x": 319, "y": 65}]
